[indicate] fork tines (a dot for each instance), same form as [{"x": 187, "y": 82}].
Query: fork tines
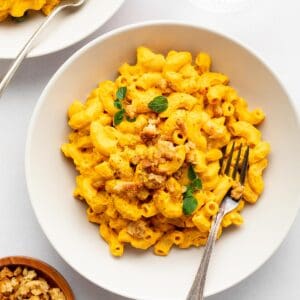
[{"x": 244, "y": 165}]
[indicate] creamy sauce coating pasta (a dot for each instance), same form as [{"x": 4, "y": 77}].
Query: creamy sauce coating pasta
[{"x": 147, "y": 148}]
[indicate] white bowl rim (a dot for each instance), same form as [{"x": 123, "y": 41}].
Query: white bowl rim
[{"x": 103, "y": 37}]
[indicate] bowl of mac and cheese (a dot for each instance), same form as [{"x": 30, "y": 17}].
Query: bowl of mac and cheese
[
  {"x": 135, "y": 126},
  {"x": 20, "y": 18}
]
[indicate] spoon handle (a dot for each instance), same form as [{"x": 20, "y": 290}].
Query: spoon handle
[{"x": 25, "y": 50}]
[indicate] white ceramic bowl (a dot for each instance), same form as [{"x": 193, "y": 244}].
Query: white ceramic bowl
[
  {"x": 66, "y": 29},
  {"x": 140, "y": 275}
]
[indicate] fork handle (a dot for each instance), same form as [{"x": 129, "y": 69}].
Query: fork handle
[
  {"x": 197, "y": 290},
  {"x": 25, "y": 50}
]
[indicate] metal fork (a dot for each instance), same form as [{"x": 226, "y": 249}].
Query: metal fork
[
  {"x": 228, "y": 205},
  {"x": 23, "y": 53}
]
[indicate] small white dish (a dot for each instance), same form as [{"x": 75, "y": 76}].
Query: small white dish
[
  {"x": 51, "y": 178},
  {"x": 68, "y": 28}
]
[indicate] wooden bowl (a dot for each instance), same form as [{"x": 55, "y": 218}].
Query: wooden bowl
[{"x": 52, "y": 276}]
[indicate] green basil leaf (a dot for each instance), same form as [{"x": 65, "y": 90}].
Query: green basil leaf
[
  {"x": 191, "y": 173},
  {"x": 130, "y": 120},
  {"x": 189, "y": 191},
  {"x": 118, "y": 117},
  {"x": 158, "y": 104},
  {"x": 118, "y": 104},
  {"x": 197, "y": 184},
  {"x": 121, "y": 93},
  {"x": 190, "y": 203}
]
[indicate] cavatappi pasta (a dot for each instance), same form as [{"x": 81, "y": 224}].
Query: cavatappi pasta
[
  {"x": 17, "y": 8},
  {"x": 147, "y": 148}
]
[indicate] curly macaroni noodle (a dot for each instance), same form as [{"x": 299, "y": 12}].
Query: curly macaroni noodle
[{"x": 135, "y": 138}]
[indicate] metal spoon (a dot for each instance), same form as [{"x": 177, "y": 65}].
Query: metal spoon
[{"x": 23, "y": 53}]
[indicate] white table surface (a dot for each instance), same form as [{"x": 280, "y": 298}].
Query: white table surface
[{"x": 268, "y": 26}]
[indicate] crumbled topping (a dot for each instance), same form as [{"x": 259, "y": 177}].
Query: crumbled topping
[
  {"x": 154, "y": 121},
  {"x": 56, "y": 294},
  {"x": 162, "y": 152},
  {"x": 191, "y": 157},
  {"x": 154, "y": 181},
  {"x": 166, "y": 149},
  {"x": 6, "y": 272},
  {"x": 150, "y": 179},
  {"x": 26, "y": 284},
  {"x": 149, "y": 134},
  {"x": 130, "y": 110},
  {"x": 237, "y": 191},
  {"x": 137, "y": 229}
]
